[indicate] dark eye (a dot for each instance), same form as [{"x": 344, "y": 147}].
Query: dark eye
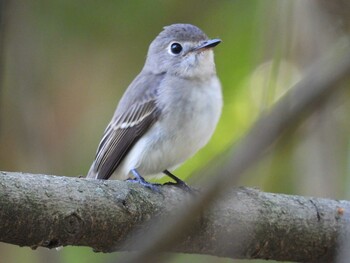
[{"x": 175, "y": 48}]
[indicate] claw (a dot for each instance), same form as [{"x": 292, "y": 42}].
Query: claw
[{"x": 178, "y": 182}]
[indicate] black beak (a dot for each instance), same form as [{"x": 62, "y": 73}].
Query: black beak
[{"x": 208, "y": 44}]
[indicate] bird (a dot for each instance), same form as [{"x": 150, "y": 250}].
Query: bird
[{"x": 167, "y": 113}]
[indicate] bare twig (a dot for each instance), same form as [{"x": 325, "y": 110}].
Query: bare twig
[{"x": 323, "y": 79}]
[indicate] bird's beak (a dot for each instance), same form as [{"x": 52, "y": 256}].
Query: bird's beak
[{"x": 207, "y": 44}]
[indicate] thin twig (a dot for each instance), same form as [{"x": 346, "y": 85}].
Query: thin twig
[{"x": 323, "y": 79}]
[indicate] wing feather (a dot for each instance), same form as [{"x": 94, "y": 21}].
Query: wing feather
[
  {"x": 121, "y": 136},
  {"x": 134, "y": 116}
]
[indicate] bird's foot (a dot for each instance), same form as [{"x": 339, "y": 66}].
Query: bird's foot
[
  {"x": 181, "y": 185},
  {"x": 140, "y": 180},
  {"x": 178, "y": 182}
]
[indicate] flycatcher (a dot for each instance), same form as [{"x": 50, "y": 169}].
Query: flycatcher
[{"x": 168, "y": 112}]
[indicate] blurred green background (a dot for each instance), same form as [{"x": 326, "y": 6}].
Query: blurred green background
[{"x": 66, "y": 63}]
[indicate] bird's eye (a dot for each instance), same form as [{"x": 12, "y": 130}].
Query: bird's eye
[{"x": 175, "y": 48}]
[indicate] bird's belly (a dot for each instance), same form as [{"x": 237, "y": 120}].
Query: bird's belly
[
  {"x": 174, "y": 148},
  {"x": 171, "y": 141},
  {"x": 166, "y": 147}
]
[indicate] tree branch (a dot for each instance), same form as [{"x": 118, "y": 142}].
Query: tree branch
[{"x": 50, "y": 211}]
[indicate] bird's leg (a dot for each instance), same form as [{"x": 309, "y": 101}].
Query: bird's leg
[
  {"x": 139, "y": 179},
  {"x": 178, "y": 181}
]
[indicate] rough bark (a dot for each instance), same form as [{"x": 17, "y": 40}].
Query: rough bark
[{"x": 50, "y": 211}]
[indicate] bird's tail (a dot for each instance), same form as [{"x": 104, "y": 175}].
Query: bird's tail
[{"x": 92, "y": 174}]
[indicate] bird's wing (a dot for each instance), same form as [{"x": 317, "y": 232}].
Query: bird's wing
[{"x": 124, "y": 131}]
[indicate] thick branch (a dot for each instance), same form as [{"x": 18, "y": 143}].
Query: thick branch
[{"x": 48, "y": 211}]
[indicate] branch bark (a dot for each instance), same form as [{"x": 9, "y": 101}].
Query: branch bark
[{"x": 50, "y": 211}]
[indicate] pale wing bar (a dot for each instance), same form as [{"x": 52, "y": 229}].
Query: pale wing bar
[{"x": 121, "y": 134}]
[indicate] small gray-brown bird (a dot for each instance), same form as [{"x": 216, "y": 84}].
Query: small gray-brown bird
[{"x": 168, "y": 112}]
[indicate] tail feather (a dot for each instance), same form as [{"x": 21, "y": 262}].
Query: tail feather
[{"x": 92, "y": 173}]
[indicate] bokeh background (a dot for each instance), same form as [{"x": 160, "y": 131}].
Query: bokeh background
[{"x": 65, "y": 64}]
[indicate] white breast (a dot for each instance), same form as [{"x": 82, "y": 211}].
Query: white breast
[{"x": 190, "y": 113}]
